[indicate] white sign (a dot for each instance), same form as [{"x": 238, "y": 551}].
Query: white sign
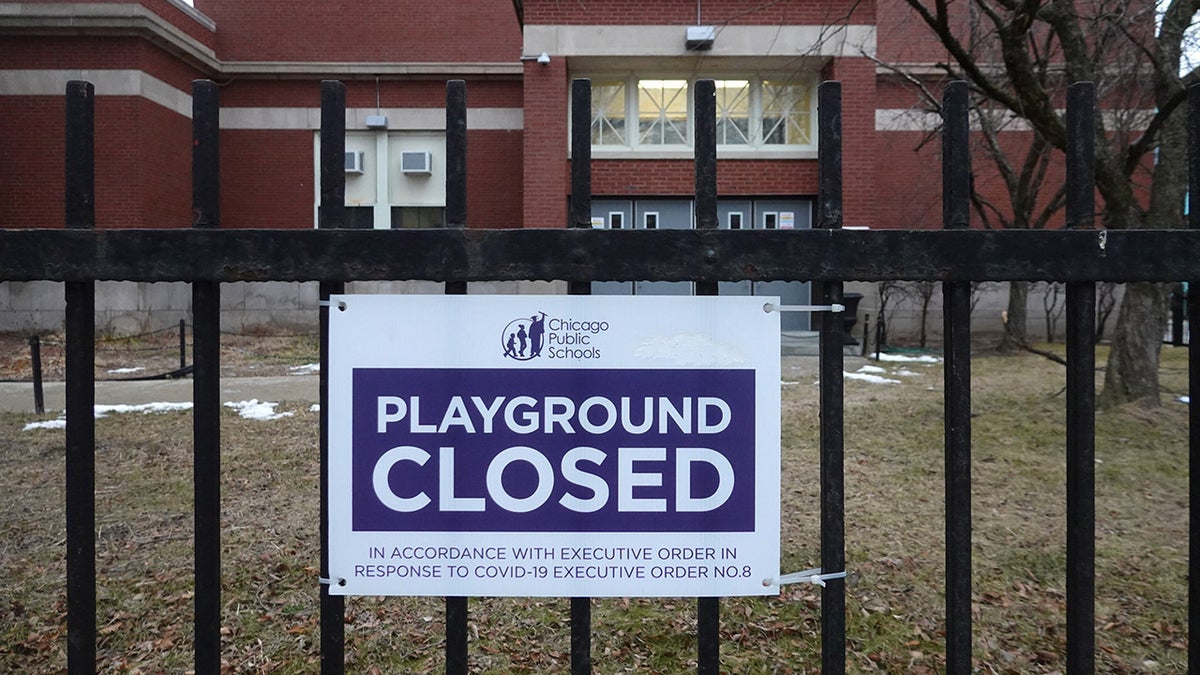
[{"x": 553, "y": 445}]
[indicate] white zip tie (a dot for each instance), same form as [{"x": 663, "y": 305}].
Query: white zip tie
[
  {"x": 812, "y": 576},
  {"x": 326, "y": 581},
  {"x": 326, "y": 303},
  {"x": 836, "y": 309}
]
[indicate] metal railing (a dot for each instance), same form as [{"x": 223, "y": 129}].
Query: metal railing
[{"x": 207, "y": 256}]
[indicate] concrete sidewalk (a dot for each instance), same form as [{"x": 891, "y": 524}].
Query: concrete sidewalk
[{"x": 18, "y": 396}]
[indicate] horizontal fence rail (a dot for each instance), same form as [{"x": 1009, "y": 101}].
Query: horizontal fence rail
[{"x": 599, "y": 255}]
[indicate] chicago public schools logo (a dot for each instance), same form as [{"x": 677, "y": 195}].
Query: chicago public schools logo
[
  {"x": 523, "y": 338},
  {"x": 538, "y": 336}
]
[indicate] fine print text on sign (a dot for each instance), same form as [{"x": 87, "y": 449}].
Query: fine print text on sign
[{"x": 553, "y": 446}]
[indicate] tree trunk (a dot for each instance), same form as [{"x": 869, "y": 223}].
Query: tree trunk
[
  {"x": 1015, "y": 323},
  {"x": 1132, "y": 370}
]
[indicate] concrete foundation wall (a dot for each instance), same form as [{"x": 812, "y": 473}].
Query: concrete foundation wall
[
  {"x": 127, "y": 308},
  {"x": 987, "y": 317}
]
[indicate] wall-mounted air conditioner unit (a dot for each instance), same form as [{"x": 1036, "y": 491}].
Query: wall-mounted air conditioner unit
[
  {"x": 416, "y": 162},
  {"x": 354, "y": 161}
]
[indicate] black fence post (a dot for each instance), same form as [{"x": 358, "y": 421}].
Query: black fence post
[
  {"x": 457, "y": 608},
  {"x": 206, "y": 382},
  {"x": 581, "y": 217},
  {"x": 35, "y": 363},
  {"x": 956, "y": 201},
  {"x": 80, "y": 385},
  {"x": 708, "y": 610},
  {"x": 1081, "y": 390},
  {"x": 331, "y": 215},
  {"x": 1193, "y": 310},
  {"x": 831, "y": 362}
]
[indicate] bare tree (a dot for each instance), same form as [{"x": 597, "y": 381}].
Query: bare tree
[
  {"x": 1106, "y": 301},
  {"x": 1036, "y": 48},
  {"x": 923, "y": 292},
  {"x": 1053, "y": 304}
]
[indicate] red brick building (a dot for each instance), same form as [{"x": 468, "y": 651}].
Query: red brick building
[
  {"x": 518, "y": 58},
  {"x": 395, "y": 57}
]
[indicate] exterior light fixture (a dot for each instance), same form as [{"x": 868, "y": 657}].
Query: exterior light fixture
[
  {"x": 701, "y": 38},
  {"x": 543, "y": 58}
]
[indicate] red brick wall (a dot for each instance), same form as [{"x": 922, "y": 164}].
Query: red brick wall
[
  {"x": 648, "y": 177},
  {"x": 494, "y": 178},
  {"x": 909, "y": 178},
  {"x": 31, "y": 161},
  {"x": 369, "y": 30},
  {"x": 267, "y": 179},
  {"x": 683, "y": 12},
  {"x": 20, "y": 52},
  {"x": 164, "y": 142},
  {"x": 143, "y": 155},
  {"x": 858, "y": 139},
  {"x": 547, "y": 173}
]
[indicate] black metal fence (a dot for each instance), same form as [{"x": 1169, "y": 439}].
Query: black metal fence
[{"x": 206, "y": 256}]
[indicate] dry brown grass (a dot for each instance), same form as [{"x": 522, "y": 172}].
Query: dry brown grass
[{"x": 894, "y": 546}]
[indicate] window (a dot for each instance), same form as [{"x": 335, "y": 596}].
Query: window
[
  {"x": 735, "y": 220},
  {"x": 753, "y": 113},
  {"x": 608, "y": 112},
  {"x": 787, "y": 114},
  {"x": 650, "y": 220},
  {"x": 733, "y": 112},
  {"x": 616, "y": 220},
  {"x": 662, "y": 112}
]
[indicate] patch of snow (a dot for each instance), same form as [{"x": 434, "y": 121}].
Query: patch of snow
[
  {"x": 60, "y": 423},
  {"x": 316, "y": 407},
  {"x": 145, "y": 408},
  {"x": 788, "y": 383},
  {"x": 255, "y": 410},
  {"x": 873, "y": 379},
  {"x": 872, "y": 369},
  {"x": 1184, "y": 399},
  {"x": 124, "y": 371},
  {"x": 923, "y": 358},
  {"x": 306, "y": 369},
  {"x": 100, "y": 411},
  {"x": 905, "y": 372}
]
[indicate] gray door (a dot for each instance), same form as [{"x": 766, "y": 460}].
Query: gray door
[
  {"x": 616, "y": 214},
  {"x": 785, "y": 214},
  {"x": 735, "y": 214},
  {"x": 662, "y": 214}
]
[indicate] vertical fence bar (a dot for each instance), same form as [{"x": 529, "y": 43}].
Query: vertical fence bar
[
  {"x": 456, "y": 154},
  {"x": 708, "y": 610},
  {"x": 956, "y": 199},
  {"x": 35, "y": 362},
  {"x": 331, "y": 213},
  {"x": 206, "y": 383},
  {"x": 581, "y": 216},
  {"x": 183, "y": 323},
  {"x": 833, "y": 528},
  {"x": 456, "y": 185},
  {"x": 1193, "y": 313},
  {"x": 581, "y": 153},
  {"x": 80, "y": 385},
  {"x": 1081, "y": 390}
]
